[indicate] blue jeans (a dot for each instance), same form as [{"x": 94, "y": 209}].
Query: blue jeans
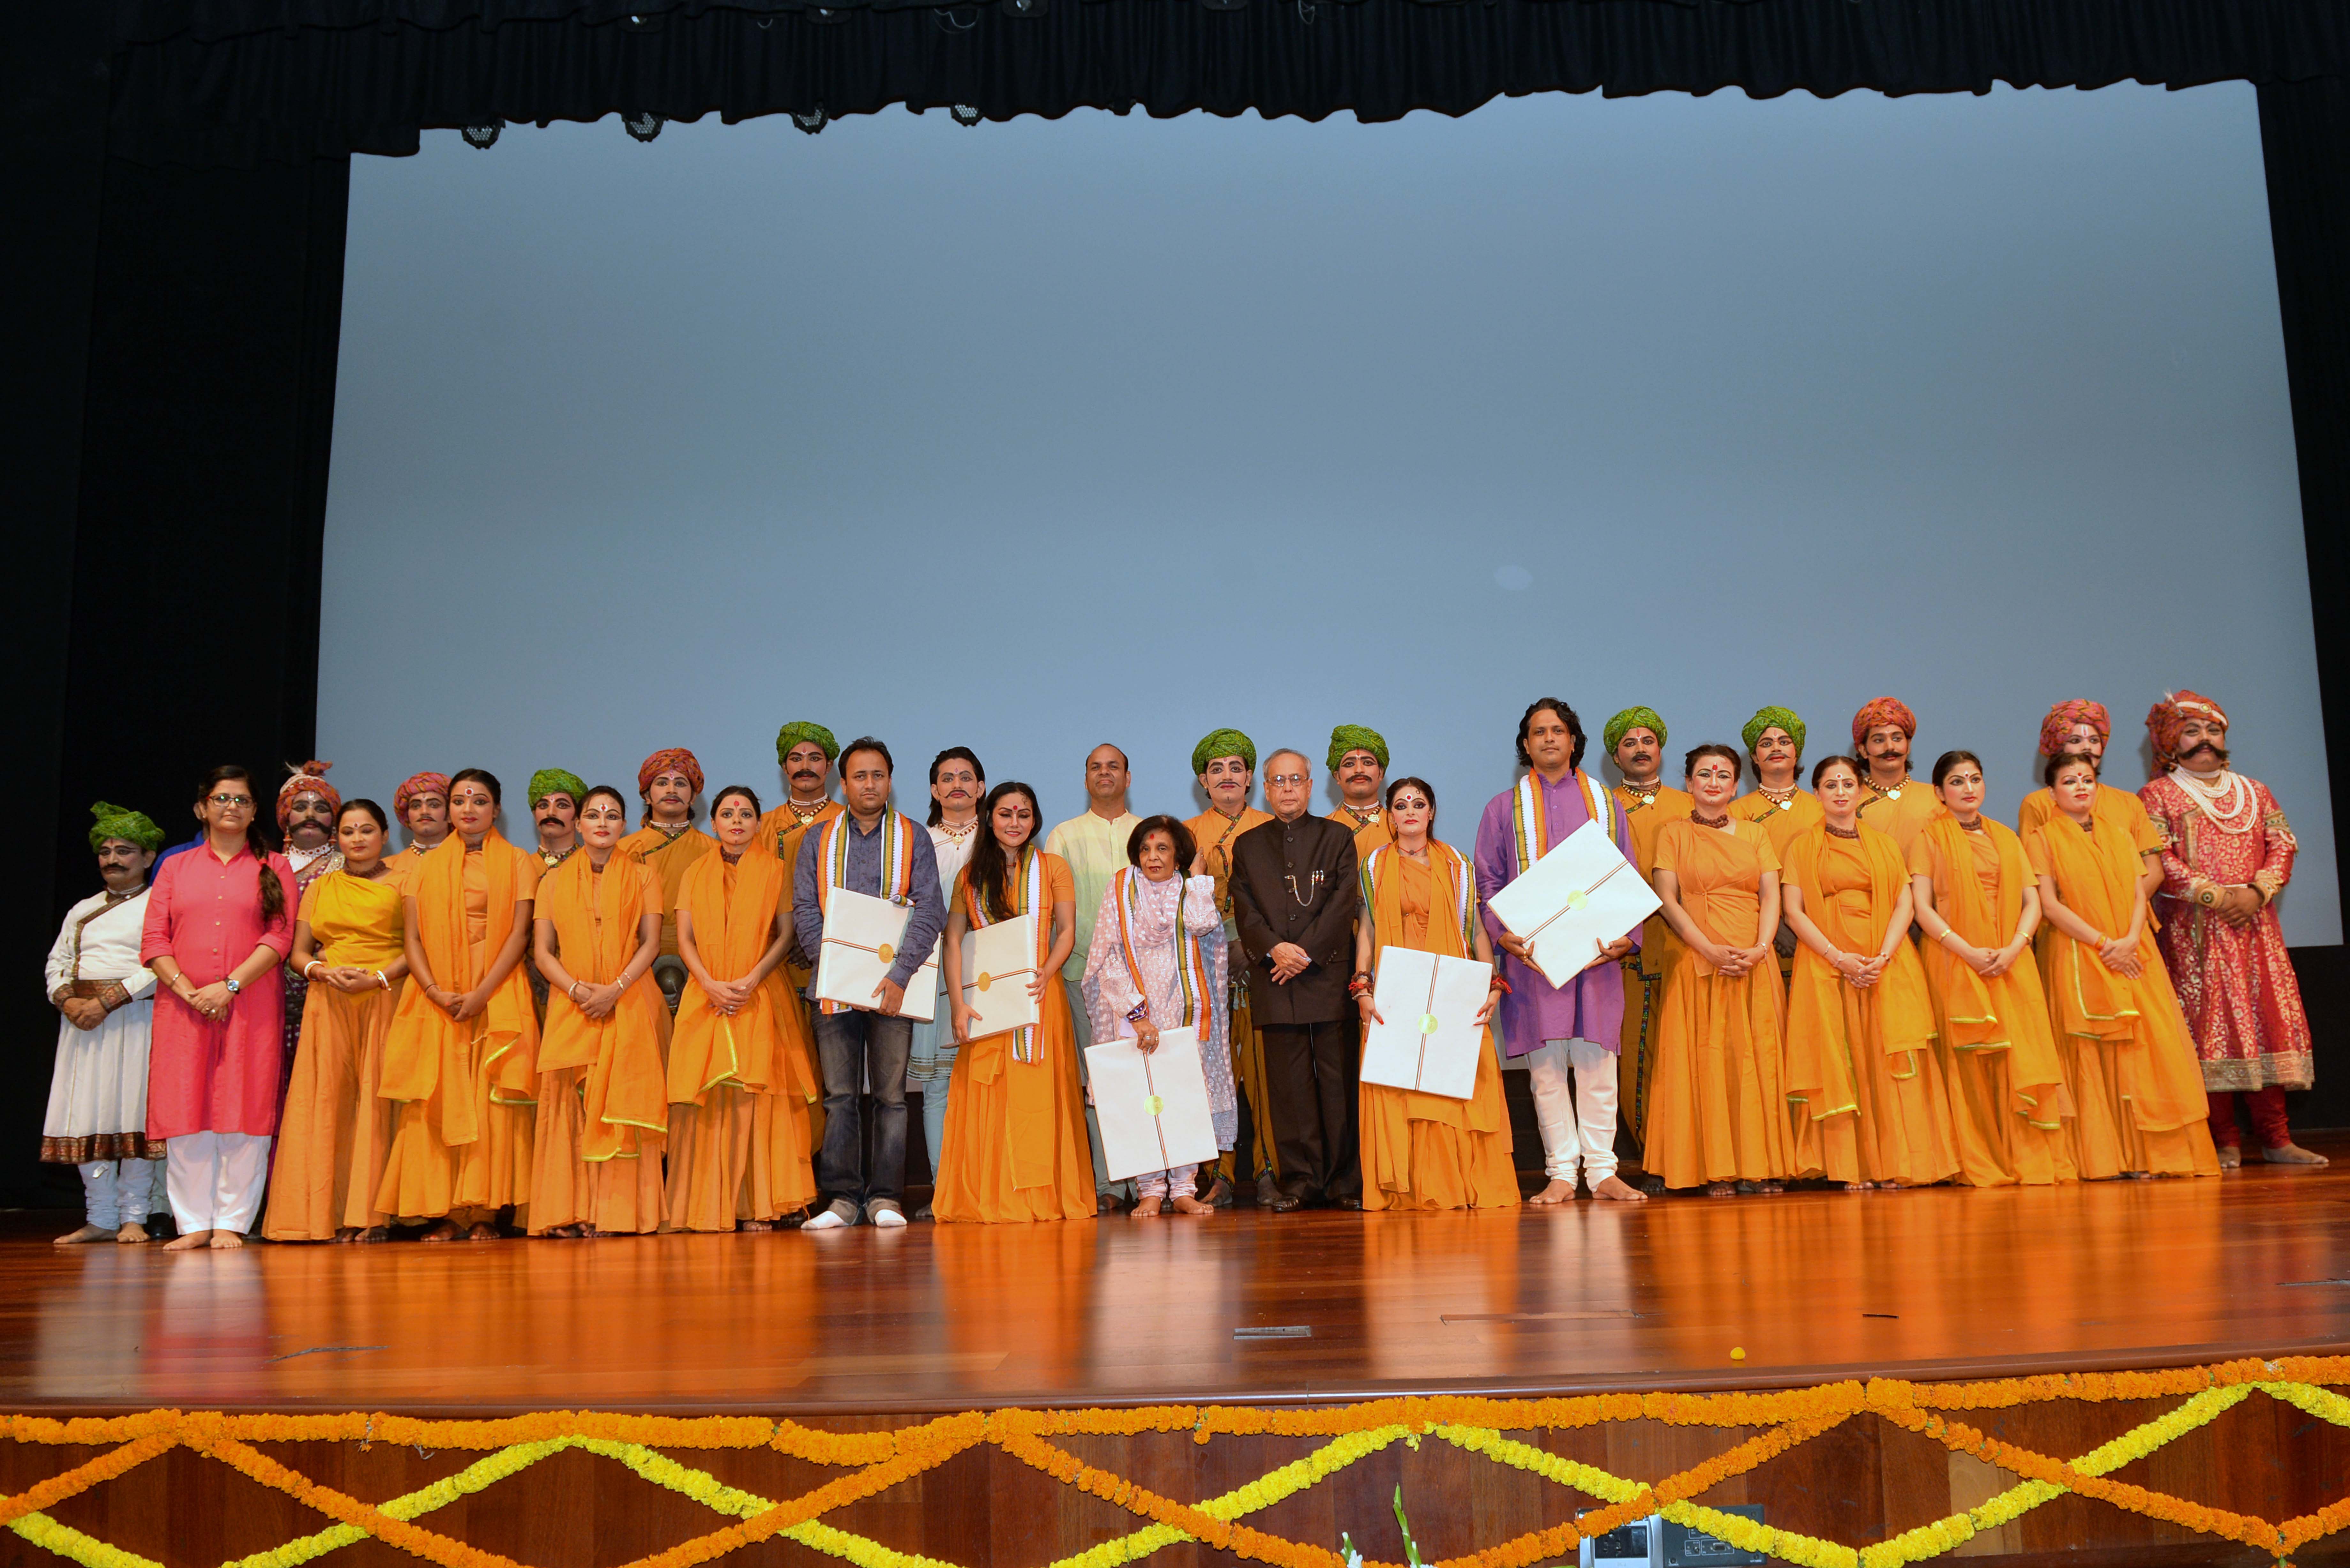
[{"x": 855, "y": 1049}]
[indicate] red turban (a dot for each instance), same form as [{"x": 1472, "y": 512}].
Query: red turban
[
  {"x": 1883, "y": 710},
  {"x": 676, "y": 757},
  {"x": 2062, "y": 719},
  {"x": 415, "y": 785},
  {"x": 310, "y": 778},
  {"x": 2164, "y": 719}
]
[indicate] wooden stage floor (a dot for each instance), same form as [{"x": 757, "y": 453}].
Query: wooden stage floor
[{"x": 1812, "y": 1285}]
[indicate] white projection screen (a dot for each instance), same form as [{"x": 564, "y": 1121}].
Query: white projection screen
[{"x": 1032, "y": 435}]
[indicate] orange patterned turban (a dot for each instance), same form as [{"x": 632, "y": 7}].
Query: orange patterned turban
[
  {"x": 2164, "y": 719},
  {"x": 415, "y": 785},
  {"x": 1883, "y": 710},
  {"x": 2062, "y": 717},
  {"x": 310, "y": 778},
  {"x": 661, "y": 762}
]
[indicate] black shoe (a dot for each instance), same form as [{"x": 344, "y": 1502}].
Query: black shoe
[
  {"x": 1354, "y": 1203},
  {"x": 1285, "y": 1204}
]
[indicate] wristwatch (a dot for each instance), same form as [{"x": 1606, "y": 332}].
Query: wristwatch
[{"x": 232, "y": 987}]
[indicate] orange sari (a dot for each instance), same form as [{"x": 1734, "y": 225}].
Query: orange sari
[
  {"x": 601, "y": 1109},
  {"x": 1015, "y": 1135},
  {"x": 744, "y": 1096},
  {"x": 2009, "y": 1101},
  {"x": 1718, "y": 1105},
  {"x": 2136, "y": 1084},
  {"x": 1429, "y": 1151},
  {"x": 461, "y": 1136},
  {"x": 1868, "y": 1099}
]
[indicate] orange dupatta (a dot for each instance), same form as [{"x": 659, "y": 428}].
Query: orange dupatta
[
  {"x": 428, "y": 1051},
  {"x": 622, "y": 1051},
  {"x": 1028, "y": 1096},
  {"x": 2008, "y": 1013},
  {"x": 1448, "y": 874},
  {"x": 732, "y": 927},
  {"x": 1820, "y": 1069},
  {"x": 2097, "y": 876}
]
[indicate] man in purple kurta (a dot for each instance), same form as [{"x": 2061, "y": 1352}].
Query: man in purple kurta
[{"x": 1557, "y": 1029}]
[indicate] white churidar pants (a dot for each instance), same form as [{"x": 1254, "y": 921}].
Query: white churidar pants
[
  {"x": 215, "y": 1179},
  {"x": 1578, "y": 1123},
  {"x": 116, "y": 1192}
]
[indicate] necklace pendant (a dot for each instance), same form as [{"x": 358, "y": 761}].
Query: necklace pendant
[
  {"x": 1786, "y": 805},
  {"x": 1893, "y": 793}
]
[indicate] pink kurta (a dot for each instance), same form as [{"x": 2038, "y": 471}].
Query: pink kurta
[
  {"x": 204, "y": 1076},
  {"x": 2236, "y": 984}
]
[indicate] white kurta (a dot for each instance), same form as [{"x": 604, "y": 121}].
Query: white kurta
[{"x": 98, "y": 1093}]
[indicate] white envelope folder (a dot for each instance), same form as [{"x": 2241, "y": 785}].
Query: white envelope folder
[
  {"x": 1426, "y": 1042},
  {"x": 1573, "y": 902},
  {"x": 861, "y": 934},
  {"x": 1153, "y": 1109},
  {"x": 998, "y": 962}
]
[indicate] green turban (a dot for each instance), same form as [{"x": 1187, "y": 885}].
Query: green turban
[
  {"x": 800, "y": 730},
  {"x": 121, "y": 822},
  {"x": 1632, "y": 719},
  {"x": 1767, "y": 718},
  {"x": 1223, "y": 743},
  {"x": 1355, "y": 738},
  {"x": 556, "y": 781}
]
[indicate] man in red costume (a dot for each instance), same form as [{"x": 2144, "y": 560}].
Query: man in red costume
[{"x": 2227, "y": 853}]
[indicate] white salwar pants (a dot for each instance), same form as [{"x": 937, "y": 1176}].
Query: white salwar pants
[
  {"x": 1578, "y": 1123},
  {"x": 116, "y": 1192},
  {"x": 215, "y": 1179}
]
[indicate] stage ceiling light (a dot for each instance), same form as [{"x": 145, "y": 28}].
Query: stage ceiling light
[
  {"x": 644, "y": 127},
  {"x": 484, "y": 136},
  {"x": 964, "y": 114}
]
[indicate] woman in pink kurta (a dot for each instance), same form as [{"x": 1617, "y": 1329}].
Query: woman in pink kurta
[{"x": 217, "y": 943}]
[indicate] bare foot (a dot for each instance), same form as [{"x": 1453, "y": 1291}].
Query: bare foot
[
  {"x": 372, "y": 1234},
  {"x": 754, "y": 1225},
  {"x": 1721, "y": 1189},
  {"x": 1769, "y": 1188},
  {"x": 1558, "y": 1191},
  {"x": 444, "y": 1231},
  {"x": 1145, "y": 1208},
  {"x": 482, "y": 1231},
  {"x": 343, "y": 1235},
  {"x": 189, "y": 1242},
  {"x": 225, "y": 1241},
  {"x": 2230, "y": 1157},
  {"x": 86, "y": 1233},
  {"x": 1614, "y": 1189},
  {"x": 563, "y": 1233},
  {"x": 132, "y": 1234},
  {"x": 2139, "y": 1175},
  {"x": 1858, "y": 1186},
  {"x": 1187, "y": 1204},
  {"x": 2292, "y": 1154}
]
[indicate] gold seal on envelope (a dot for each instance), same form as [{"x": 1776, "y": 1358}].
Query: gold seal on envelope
[
  {"x": 1155, "y": 1104},
  {"x": 1427, "y": 1025},
  {"x": 885, "y": 954},
  {"x": 985, "y": 980},
  {"x": 1577, "y": 900}
]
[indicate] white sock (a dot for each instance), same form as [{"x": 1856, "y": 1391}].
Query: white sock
[
  {"x": 888, "y": 1219},
  {"x": 829, "y": 1219}
]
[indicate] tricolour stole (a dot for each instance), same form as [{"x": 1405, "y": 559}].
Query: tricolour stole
[
  {"x": 1532, "y": 839},
  {"x": 898, "y": 832},
  {"x": 1028, "y": 894},
  {"x": 1190, "y": 963}
]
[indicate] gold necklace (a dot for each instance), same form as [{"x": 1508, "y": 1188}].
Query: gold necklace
[
  {"x": 1643, "y": 794},
  {"x": 1783, "y": 802},
  {"x": 1881, "y": 793}
]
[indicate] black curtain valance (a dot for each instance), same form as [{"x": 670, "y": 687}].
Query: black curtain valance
[{"x": 237, "y": 80}]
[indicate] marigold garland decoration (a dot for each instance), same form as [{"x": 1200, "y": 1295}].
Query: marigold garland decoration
[{"x": 876, "y": 1461}]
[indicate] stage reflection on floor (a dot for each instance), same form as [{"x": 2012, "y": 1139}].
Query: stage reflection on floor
[{"x": 1315, "y": 1306}]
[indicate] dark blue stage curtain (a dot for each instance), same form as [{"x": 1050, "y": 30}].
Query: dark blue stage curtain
[{"x": 233, "y": 80}]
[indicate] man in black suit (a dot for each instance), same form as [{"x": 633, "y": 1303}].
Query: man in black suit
[{"x": 1293, "y": 898}]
